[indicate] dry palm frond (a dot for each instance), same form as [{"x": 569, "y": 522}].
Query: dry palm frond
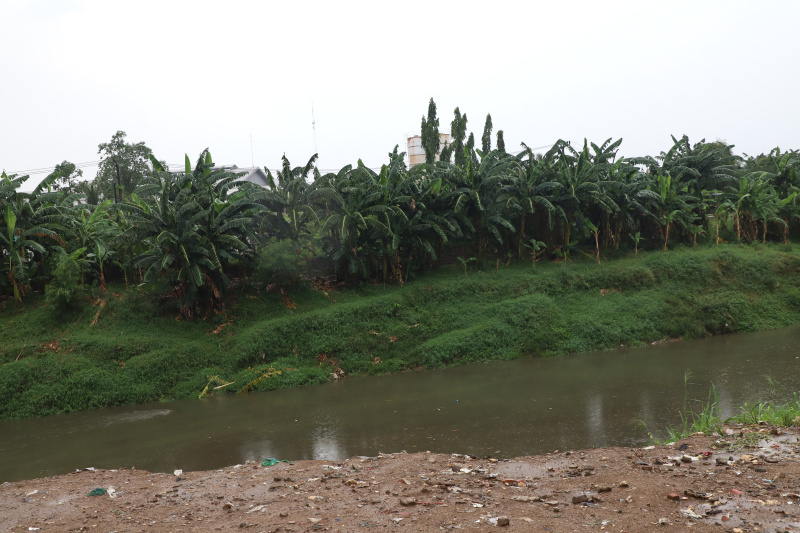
[
  {"x": 216, "y": 380},
  {"x": 268, "y": 374}
]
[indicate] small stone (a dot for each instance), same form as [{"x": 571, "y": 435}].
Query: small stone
[
  {"x": 760, "y": 469},
  {"x": 227, "y": 506},
  {"x": 407, "y": 502},
  {"x": 432, "y": 459},
  {"x": 315, "y": 520},
  {"x": 502, "y": 521},
  {"x": 674, "y": 496},
  {"x": 579, "y": 498},
  {"x": 283, "y": 514},
  {"x": 721, "y": 462},
  {"x": 623, "y": 484},
  {"x": 604, "y": 488}
]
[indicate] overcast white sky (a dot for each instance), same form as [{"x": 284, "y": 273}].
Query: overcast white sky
[{"x": 185, "y": 75}]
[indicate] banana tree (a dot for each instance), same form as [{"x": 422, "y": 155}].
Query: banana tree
[
  {"x": 524, "y": 193},
  {"x": 195, "y": 225},
  {"x": 582, "y": 183},
  {"x": 674, "y": 205},
  {"x": 31, "y": 222},
  {"x": 94, "y": 230},
  {"x": 19, "y": 245},
  {"x": 287, "y": 199},
  {"x": 474, "y": 196},
  {"x": 359, "y": 216}
]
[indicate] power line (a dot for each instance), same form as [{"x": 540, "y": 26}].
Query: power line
[{"x": 47, "y": 170}]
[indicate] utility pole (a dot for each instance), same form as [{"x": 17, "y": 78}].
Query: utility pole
[{"x": 118, "y": 184}]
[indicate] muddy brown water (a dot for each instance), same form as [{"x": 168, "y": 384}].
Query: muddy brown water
[{"x": 504, "y": 409}]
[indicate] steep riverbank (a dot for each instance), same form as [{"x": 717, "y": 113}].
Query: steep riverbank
[
  {"x": 124, "y": 350},
  {"x": 744, "y": 481}
]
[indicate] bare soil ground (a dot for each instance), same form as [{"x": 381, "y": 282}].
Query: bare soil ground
[{"x": 746, "y": 481}]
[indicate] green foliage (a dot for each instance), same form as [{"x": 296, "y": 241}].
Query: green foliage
[
  {"x": 187, "y": 239},
  {"x": 785, "y": 414},
  {"x": 486, "y": 138},
  {"x": 196, "y": 226},
  {"x": 465, "y": 262},
  {"x": 123, "y": 167},
  {"x": 696, "y": 416},
  {"x": 458, "y": 132},
  {"x": 283, "y": 261},
  {"x": 430, "y": 133},
  {"x": 68, "y": 177},
  {"x": 133, "y": 352},
  {"x": 703, "y": 418},
  {"x": 65, "y": 288}
]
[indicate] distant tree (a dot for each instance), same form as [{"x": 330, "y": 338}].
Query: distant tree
[
  {"x": 458, "y": 132},
  {"x": 90, "y": 190},
  {"x": 470, "y": 148},
  {"x": 501, "y": 143},
  {"x": 430, "y": 133},
  {"x": 486, "y": 139},
  {"x": 68, "y": 177},
  {"x": 446, "y": 152},
  {"x": 134, "y": 166}
]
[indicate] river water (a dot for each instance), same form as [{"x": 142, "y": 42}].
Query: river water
[{"x": 505, "y": 409}]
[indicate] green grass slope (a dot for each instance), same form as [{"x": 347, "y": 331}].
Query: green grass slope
[{"x": 54, "y": 363}]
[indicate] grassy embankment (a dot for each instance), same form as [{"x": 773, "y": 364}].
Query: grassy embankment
[{"x": 55, "y": 363}]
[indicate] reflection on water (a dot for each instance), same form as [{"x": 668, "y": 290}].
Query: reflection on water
[
  {"x": 595, "y": 424},
  {"x": 132, "y": 417},
  {"x": 503, "y": 408},
  {"x": 325, "y": 444}
]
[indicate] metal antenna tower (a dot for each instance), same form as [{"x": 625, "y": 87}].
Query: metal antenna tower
[{"x": 314, "y": 126}]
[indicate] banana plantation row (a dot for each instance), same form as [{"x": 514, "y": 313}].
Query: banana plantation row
[{"x": 191, "y": 232}]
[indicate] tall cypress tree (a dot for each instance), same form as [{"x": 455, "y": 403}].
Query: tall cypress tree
[
  {"x": 430, "y": 133},
  {"x": 470, "y": 147},
  {"x": 486, "y": 140},
  {"x": 458, "y": 131}
]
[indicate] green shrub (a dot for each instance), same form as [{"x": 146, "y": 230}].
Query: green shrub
[{"x": 65, "y": 289}]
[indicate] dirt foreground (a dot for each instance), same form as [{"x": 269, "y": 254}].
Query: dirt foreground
[{"x": 748, "y": 480}]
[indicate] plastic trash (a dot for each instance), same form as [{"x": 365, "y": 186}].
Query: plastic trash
[
  {"x": 271, "y": 461},
  {"x": 99, "y": 491}
]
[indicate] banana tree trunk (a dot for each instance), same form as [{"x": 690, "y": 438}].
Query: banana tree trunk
[
  {"x": 738, "y": 227},
  {"x": 785, "y": 231},
  {"x": 385, "y": 265},
  {"x": 568, "y": 230},
  {"x": 666, "y": 237}
]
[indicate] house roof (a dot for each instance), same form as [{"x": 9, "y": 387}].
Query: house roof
[{"x": 252, "y": 174}]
